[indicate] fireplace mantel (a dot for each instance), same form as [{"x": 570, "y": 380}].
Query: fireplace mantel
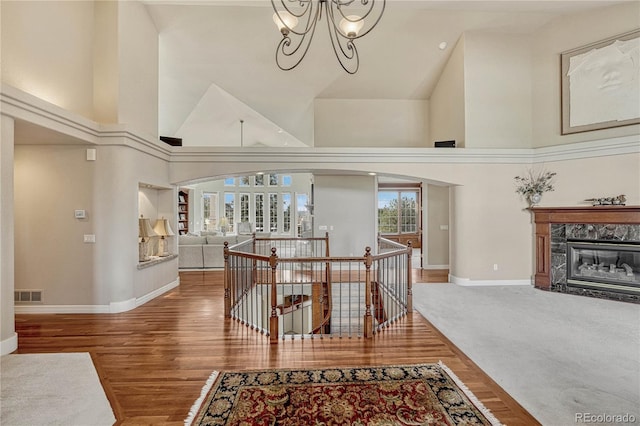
[
  {"x": 595, "y": 214},
  {"x": 546, "y": 219}
]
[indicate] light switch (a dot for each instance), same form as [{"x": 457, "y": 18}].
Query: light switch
[{"x": 89, "y": 238}]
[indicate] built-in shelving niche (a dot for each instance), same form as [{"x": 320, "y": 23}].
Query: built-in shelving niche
[{"x": 156, "y": 202}]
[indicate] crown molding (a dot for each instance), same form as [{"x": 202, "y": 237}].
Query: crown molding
[{"x": 23, "y": 106}]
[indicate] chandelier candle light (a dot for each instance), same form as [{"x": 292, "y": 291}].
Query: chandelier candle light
[{"x": 347, "y": 20}]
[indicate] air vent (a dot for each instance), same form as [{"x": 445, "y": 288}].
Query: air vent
[{"x": 27, "y": 296}]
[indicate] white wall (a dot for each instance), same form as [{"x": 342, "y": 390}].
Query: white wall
[
  {"x": 348, "y": 204},
  {"x": 8, "y": 337},
  {"x": 497, "y": 79},
  {"x": 47, "y": 50},
  {"x": 105, "y": 62},
  {"x": 370, "y": 123},
  {"x": 138, "y": 68},
  {"x": 76, "y": 275},
  {"x": 564, "y": 34},
  {"x": 436, "y": 239},
  {"x": 447, "y": 108},
  {"x": 99, "y": 60},
  {"x": 50, "y": 183}
]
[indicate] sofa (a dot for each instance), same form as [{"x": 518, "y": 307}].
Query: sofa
[{"x": 207, "y": 251}]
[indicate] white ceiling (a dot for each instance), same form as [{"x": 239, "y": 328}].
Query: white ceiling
[{"x": 217, "y": 63}]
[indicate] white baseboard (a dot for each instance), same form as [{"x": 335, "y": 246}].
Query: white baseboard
[
  {"x": 9, "y": 345},
  {"x": 62, "y": 309},
  {"x": 155, "y": 293},
  {"x": 467, "y": 282},
  {"x": 123, "y": 306},
  {"x": 435, "y": 267},
  {"x": 111, "y": 308}
]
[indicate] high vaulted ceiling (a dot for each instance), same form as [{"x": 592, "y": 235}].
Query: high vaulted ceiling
[{"x": 217, "y": 62}]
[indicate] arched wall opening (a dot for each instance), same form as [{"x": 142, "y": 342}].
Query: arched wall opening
[{"x": 345, "y": 204}]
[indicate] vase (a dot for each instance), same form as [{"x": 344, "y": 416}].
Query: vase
[{"x": 534, "y": 199}]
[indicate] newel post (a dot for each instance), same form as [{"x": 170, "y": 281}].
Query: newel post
[
  {"x": 227, "y": 282},
  {"x": 273, "y": 319},
  {"x": 409, "y": 278},
  {"x": 368, "y": 318}
]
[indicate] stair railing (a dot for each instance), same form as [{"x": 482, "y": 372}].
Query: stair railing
[{"x": 298, "y": 289}]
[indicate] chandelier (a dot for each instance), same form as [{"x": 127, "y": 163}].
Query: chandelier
[{"x": 347, "y": 20}]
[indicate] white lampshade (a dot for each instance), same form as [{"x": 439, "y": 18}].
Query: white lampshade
[
  {"x": 163, "y": 228},
  {"x": 144, "y": 228},
  {"x": 351, "y": 25},
  {"x": 285, "y": 21}
]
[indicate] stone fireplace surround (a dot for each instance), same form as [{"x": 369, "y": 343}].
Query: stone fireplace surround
[{"x": 603, "y": 224}]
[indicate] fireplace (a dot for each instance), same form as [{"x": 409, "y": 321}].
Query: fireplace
[
  {"x": 588, "y": 251},
  {"x": 604, "y": 265}
]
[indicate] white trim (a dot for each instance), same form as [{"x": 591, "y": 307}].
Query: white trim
[
  {"x": 467, "y": 282},
  {"x": 605, "y": 147},
  {"x": 435, "y": 267},
  {"x": 24, "y": 106},
  {"x": 123, "y": 306},
  {"x": 111, "y": 308},
  {"x": 9, "y": 345},
  {"x": 158, "y": 292},
  {"x": 62, "y": 309}
]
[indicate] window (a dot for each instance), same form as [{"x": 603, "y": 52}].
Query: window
[
  {"x": 397, "y": 212},
  {"x": 286, "y": 180},
  {"x": 244, "y": 208},
  {"x": 244, "y": 181},
  {"x": 273, "y": 213},
  {"x": 286, "y": 212},
  {"x": 259, "y": 181},
  {"x": 259, "y": 206},
  {"x": 229, "y": 182},
  {"x": 229, "y": 209},
  {"x": 304, "y": 216},
  {"x": 273, "y": 179},
  {"x": 209, "y": 211}
]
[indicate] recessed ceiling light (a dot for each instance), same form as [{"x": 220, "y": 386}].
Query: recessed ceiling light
[{"x": 442, "y": 45}]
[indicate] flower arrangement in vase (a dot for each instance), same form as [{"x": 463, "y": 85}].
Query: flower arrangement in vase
[{"x": 534, "y": 184}]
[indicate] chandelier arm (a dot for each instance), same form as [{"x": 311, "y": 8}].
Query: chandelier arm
[
  {"x": 345, "y": 57},
  {"x": 283, "y": 52}
]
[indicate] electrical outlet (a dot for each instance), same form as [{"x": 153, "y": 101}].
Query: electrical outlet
[
  {"x": 322, "y": 227},
  {"x": 89, "y": 238}
]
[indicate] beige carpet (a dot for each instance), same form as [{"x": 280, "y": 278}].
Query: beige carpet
[{"x": 52, "y": 389}]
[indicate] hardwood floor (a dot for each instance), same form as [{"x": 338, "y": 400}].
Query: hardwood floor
[{"x": 153, "y": 361}]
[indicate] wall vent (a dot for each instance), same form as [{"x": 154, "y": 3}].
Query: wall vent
[{"x": 27, "y": 296}]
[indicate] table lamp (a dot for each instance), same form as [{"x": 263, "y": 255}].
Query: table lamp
[
  {"x": 163, "y": 229},
  {"x": 144, "y": 233}
]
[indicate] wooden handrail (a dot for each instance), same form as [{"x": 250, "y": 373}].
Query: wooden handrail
[{"x": 396, "y": 293}]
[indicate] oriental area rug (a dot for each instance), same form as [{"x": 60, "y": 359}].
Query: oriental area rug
[{"x": 424, "y": 394}]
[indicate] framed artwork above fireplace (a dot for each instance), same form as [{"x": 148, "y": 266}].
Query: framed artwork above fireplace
[{"x": 601, "y": 84}]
